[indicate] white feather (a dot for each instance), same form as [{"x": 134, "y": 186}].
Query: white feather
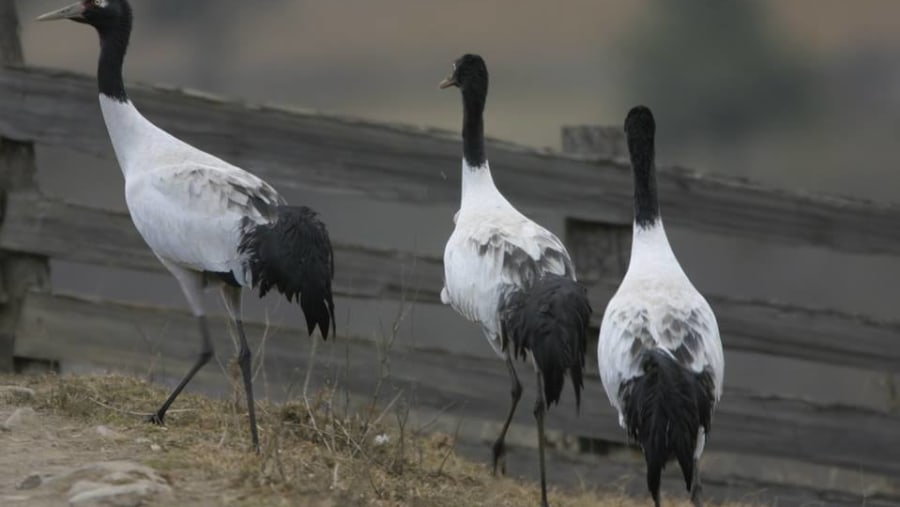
[
  {"x": 480, "y": 258},
  {"x": 656, "y": 306},
  {"x": 188, "y": 205}
]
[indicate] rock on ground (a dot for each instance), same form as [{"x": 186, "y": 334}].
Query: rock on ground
[
  {"x": 106, "y": 484},
  {"x": 134, "y": 494},
  {"x": 30, "y": 482},
  {"x": 21, "y": 417},
  {"x": 106, "y": 432}
]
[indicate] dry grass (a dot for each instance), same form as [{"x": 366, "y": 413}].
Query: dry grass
[{"x": 313, "y": 454}]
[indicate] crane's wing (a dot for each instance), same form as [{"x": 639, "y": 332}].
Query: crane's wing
[
  {"x": 194, "y": 215},
  {"x": 687, "y": 330},
  {"x": 487, "y": 257}
]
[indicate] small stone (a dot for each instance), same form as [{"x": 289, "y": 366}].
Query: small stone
[
  {"x": 116, "y": 484},
  {"x": 106, "y": 432},
  {"x": 30, "y": 482},
  {"x": 21, "y": 417},
  {"x": 124, "y": 495},
  {"x": 155, "y": 447},
  {"x": 99, "y": 472}
]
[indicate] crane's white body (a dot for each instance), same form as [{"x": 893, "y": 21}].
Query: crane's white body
[
  {"x": 656, "y": 306},
  {"x": 494, "y": 249},
  {"x": 189, "y": 206}
]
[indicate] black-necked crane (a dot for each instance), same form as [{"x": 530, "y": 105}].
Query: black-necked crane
[
  {"x": 510, "y": 275},
  {"x": 659, "y": 351},
  {"x": 209, "y": 223}
]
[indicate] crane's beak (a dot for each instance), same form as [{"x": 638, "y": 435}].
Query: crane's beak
[
  {"x": 448, "y": 82},
  {"x": 74, "y": 11}
]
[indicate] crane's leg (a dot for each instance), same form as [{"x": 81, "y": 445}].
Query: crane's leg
[
  {"x": 232, "y": 297},
  {"x": 540, "y": 407},
  {"x": 696, "y": 487},
  {"x": 192, "y": 286},
  {"x": 499, "y": 448}
]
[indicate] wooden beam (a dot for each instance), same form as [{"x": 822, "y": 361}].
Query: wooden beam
[
  {"x": 19, "y": 272},
  {"x": 595, "y": 141},
  {"x": 131, "y": 337},
  {"x": 744, "y": 485},
  {"x": 294, "y": 149},
  {"x": 108, "y": 238},
  {"x": 600, "y": 251},
  {"x": 10, "y": 44},
  {"x": 80, "y": 234},
  {"x": 727, "y": 477}
]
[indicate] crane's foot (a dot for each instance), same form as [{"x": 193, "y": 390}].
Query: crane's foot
[
  {"x": 697, "y": 495},
  {"x": 157, "y": 418},
  {"x": 499, "y": 453}
]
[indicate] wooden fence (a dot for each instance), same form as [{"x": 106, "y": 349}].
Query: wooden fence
[{"x": 293, "y": 149}]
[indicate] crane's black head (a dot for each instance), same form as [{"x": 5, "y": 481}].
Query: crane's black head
[
  {"x": 112, "y": 19},
  {"x": 469, "y": 75},
  {"x": 104, "y": 15},
  {"x": 639, "y": 124}
]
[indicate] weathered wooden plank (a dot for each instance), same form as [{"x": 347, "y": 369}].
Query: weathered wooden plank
[
  {"x": 811, "y": 334},
  {"x": 599, "y": 251},
  {"x": 76, "y": 233},
  {"x": 108, "y": 238},
  {"x": 19, "y": 272},
  {"x": 778, "y": 329},
  {"x": 727, "y": 477},
  {"x": 568, "y": 470},
  {"x": 123, "y": 336},
  {"x": 590, "y": 140},
  {"x": 298, "y": 149}
]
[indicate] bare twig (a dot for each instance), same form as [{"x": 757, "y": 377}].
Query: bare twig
[
  {"x": 334, "y": 476},
  {"x": 152, "y": 348},
  {"x": 452, "y": 446},
  {"x": 424, "y": 426},
  {"x": 131, "y": 412},
  {"x": 387, "y": 408},
  {"x": 399, "y": 459}
]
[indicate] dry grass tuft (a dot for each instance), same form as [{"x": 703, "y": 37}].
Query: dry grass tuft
[{"x": 312, "y": 453}]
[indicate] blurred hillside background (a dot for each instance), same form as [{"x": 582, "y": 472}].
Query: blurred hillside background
[{"x": 803, "y": 95}]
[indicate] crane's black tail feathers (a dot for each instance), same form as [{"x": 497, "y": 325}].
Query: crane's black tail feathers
[
  {"x": 294, "y": 255},
  {"x": 550, "y": 319},
  {"x": 664, "y": 411}
]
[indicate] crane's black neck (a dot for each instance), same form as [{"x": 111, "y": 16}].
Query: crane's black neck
[
  {"x": 114, "y": 38},
  {"x": 473, "y": 125},
  {"x": 646, "y": 203}
]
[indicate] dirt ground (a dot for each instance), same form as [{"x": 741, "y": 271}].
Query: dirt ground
[
  {"x": 81, "y": 441},
  {"x": 49, "y": 444}
]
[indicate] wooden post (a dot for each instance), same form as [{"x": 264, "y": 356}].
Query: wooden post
[
  {"x": 594, "y": 141},
  {"x": 599, "y": 250},
  {"x": 18, "y": 273}
]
